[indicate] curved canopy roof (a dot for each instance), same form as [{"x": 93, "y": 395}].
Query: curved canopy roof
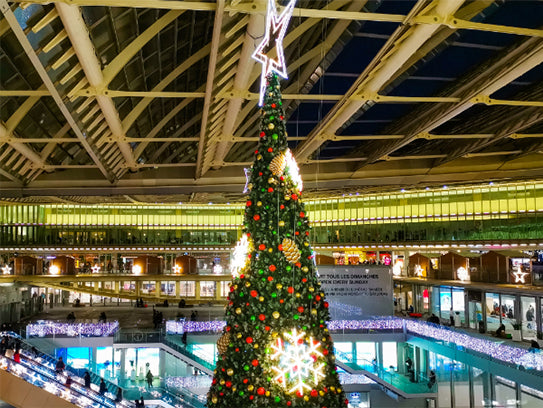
[{"x": 148, "y": 100}]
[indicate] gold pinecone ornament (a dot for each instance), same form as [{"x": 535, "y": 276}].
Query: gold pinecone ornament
[
  {"x": 290, "y": 250},
  {"x": 223, "y": 343},
  {"x": 278, "y": 164}
]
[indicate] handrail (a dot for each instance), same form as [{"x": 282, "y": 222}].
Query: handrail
[
  {"x": 42, "y": 377},
  {"x": 50, "y": 363}
]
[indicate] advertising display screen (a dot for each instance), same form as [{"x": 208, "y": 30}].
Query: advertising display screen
[{"x": 357, "y": 291}]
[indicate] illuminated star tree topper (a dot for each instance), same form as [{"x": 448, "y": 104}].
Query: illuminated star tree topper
[{"x": 276, "y": 27}]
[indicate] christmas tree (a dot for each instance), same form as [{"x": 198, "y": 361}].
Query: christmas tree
[{"x": 276, "y": 350}]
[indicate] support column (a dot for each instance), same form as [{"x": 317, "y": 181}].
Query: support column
[
  {"x": 217, "y": 290},
  {"x": 177, "y": 289},
  {"x": 117, "y": 288},
  {"x": 158, "y": 289},
  {"x": 122, "y": 372},
  {"x": 197, "y": 290},
  {"x": 405, "y": 263}
]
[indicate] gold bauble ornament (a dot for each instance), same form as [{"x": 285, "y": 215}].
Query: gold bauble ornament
[
  {"x": 261, "y": 298},
  {"x": 230, "y": 372},
  {"x": 271, "y": 126},
  {"x": 267, "y": 393},
  {"x": 259, "y": 157},
  {"x": 214, "y": 399},
  {"x": 250, "y": 387},
  {"x": 276, "y": 315},
  {"x": 305, "y": 269},
  {"x": 290, "y": 249},
  {"x": 313, "y": 311},
  {"x": 222, "y": 382},
  {"x": 238, "y": 335},
  {"x": 281, "y": 223},
  {"x": 247, "y": 284},
  {"x": 279, "y": 286},
  {"x": 259, "y": 203},
  {"x": 238, "y": 310}
]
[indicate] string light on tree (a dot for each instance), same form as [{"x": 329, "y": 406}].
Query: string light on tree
[
  {"x": 276, "y": 28},
  {"x": 240, "y": 259},
  {"x": 297, "y": 368}
]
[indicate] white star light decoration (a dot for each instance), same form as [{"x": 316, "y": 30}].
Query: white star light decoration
[
  {"x": 297, "y": 368},
  {"x": 462, "y": 273},
  {"x": 520, "y": 276},
  {"x": 177, "y": 269},
  {"x": 276, "y": 28},
  {"x": 419, "y": 271},
  {"x": 6, "y": 270},
  {"x": 96, "y": 269}
]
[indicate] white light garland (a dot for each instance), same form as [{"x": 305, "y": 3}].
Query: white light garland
[
  {"x": 276, "y": 26},
  {"x": 293, "y": 170},
  {"x": 297, "y": 368},
  {"x": 239, "y": 258}
]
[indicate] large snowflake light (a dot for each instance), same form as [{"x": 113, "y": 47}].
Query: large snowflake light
[
  {"x": 293, "y": 170},
  {"x": 240, "y": 257},
  {"x": 276, "y": 28},
  {"x": 297, "y": 369}
]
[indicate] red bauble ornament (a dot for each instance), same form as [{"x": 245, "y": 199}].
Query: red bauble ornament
[
  {"x": 256, "y": 217},
  {"x": 254, "y": 293},
  {"x": 282, "y": 207},
  {"x": 300, "y": 309},
  {"x": 267, "y": 328},
  {"x": 249, "y": 340},
  {"x": 314, "y": 393},
  {"x": 228, "y": 384},
  {"x": 228, "y": 328},
  {"x": 262, "y": 247},
  {"x": 270, "y": 190},
  {"x": 272, "y": 268},
  {"x": 254, "y": 362},
  {"x": 261, "y": 317},
  {"x": 273, "y": 105},
  {"x": 294, "y": 197},
  {"x": 261, "y": 391},
  {"x": 289, "y": 403},
  {"x": 297, "y": 233},
  {"x": 245, "y": 381},
  {"x": 298, "y": 264},
  {"x": 242, "y": 276},
  {"x": 281, "y": 117},
  {"x": 280, "y": 247},
  {"x": 290, "y": 290},
  {"x": 262, "y": 134},
  {"x": 307, "y": 233},
  {"x": 270, "y": 149},
  {"x": 299, "y": 393},
  {"x": 318, "y": 297},
  {"x": 249, "y": 203},
  {"x": 259, "y": 173},
  {"x": 270, "y": 278},
  {"x": 256, "y": 151},
  {"x": 325, "y": 352},
  {"x": 304, "y": 280},
  {"x": 302, "y": 214},
  {"x": 325, "y": 304}
]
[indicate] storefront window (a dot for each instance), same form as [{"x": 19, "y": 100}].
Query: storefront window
[
  {"x": 446, "y": 303},
  {"x": 529, "y": 328},
  {"x": 458, "y": 306},
  {"x": 435, "y": 301},
  {"x": 365, "y": 352},
  {"x": 168, "y": 288},
  {"x": 493, "y": 311},
  {"x": 207, "y": 289},
  {"x": 148, "y": 287},
  {"x": 509, "y": 312},
  {"x": 187, "y": 289},
  {"x": 390, "y": 354}
]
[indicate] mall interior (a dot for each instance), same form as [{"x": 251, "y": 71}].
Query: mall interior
[{"x": 128, "y": 132}]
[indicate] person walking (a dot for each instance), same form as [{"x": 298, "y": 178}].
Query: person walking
[
  {"x": 17, "y": 356},
  {"x": 103, "y": 387},
  {"x": 149, "y": 378},
  {"x": 60, "y": 366},
  {"x": 87, "y": 379},
  {"x": 431, "y": 379}
]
